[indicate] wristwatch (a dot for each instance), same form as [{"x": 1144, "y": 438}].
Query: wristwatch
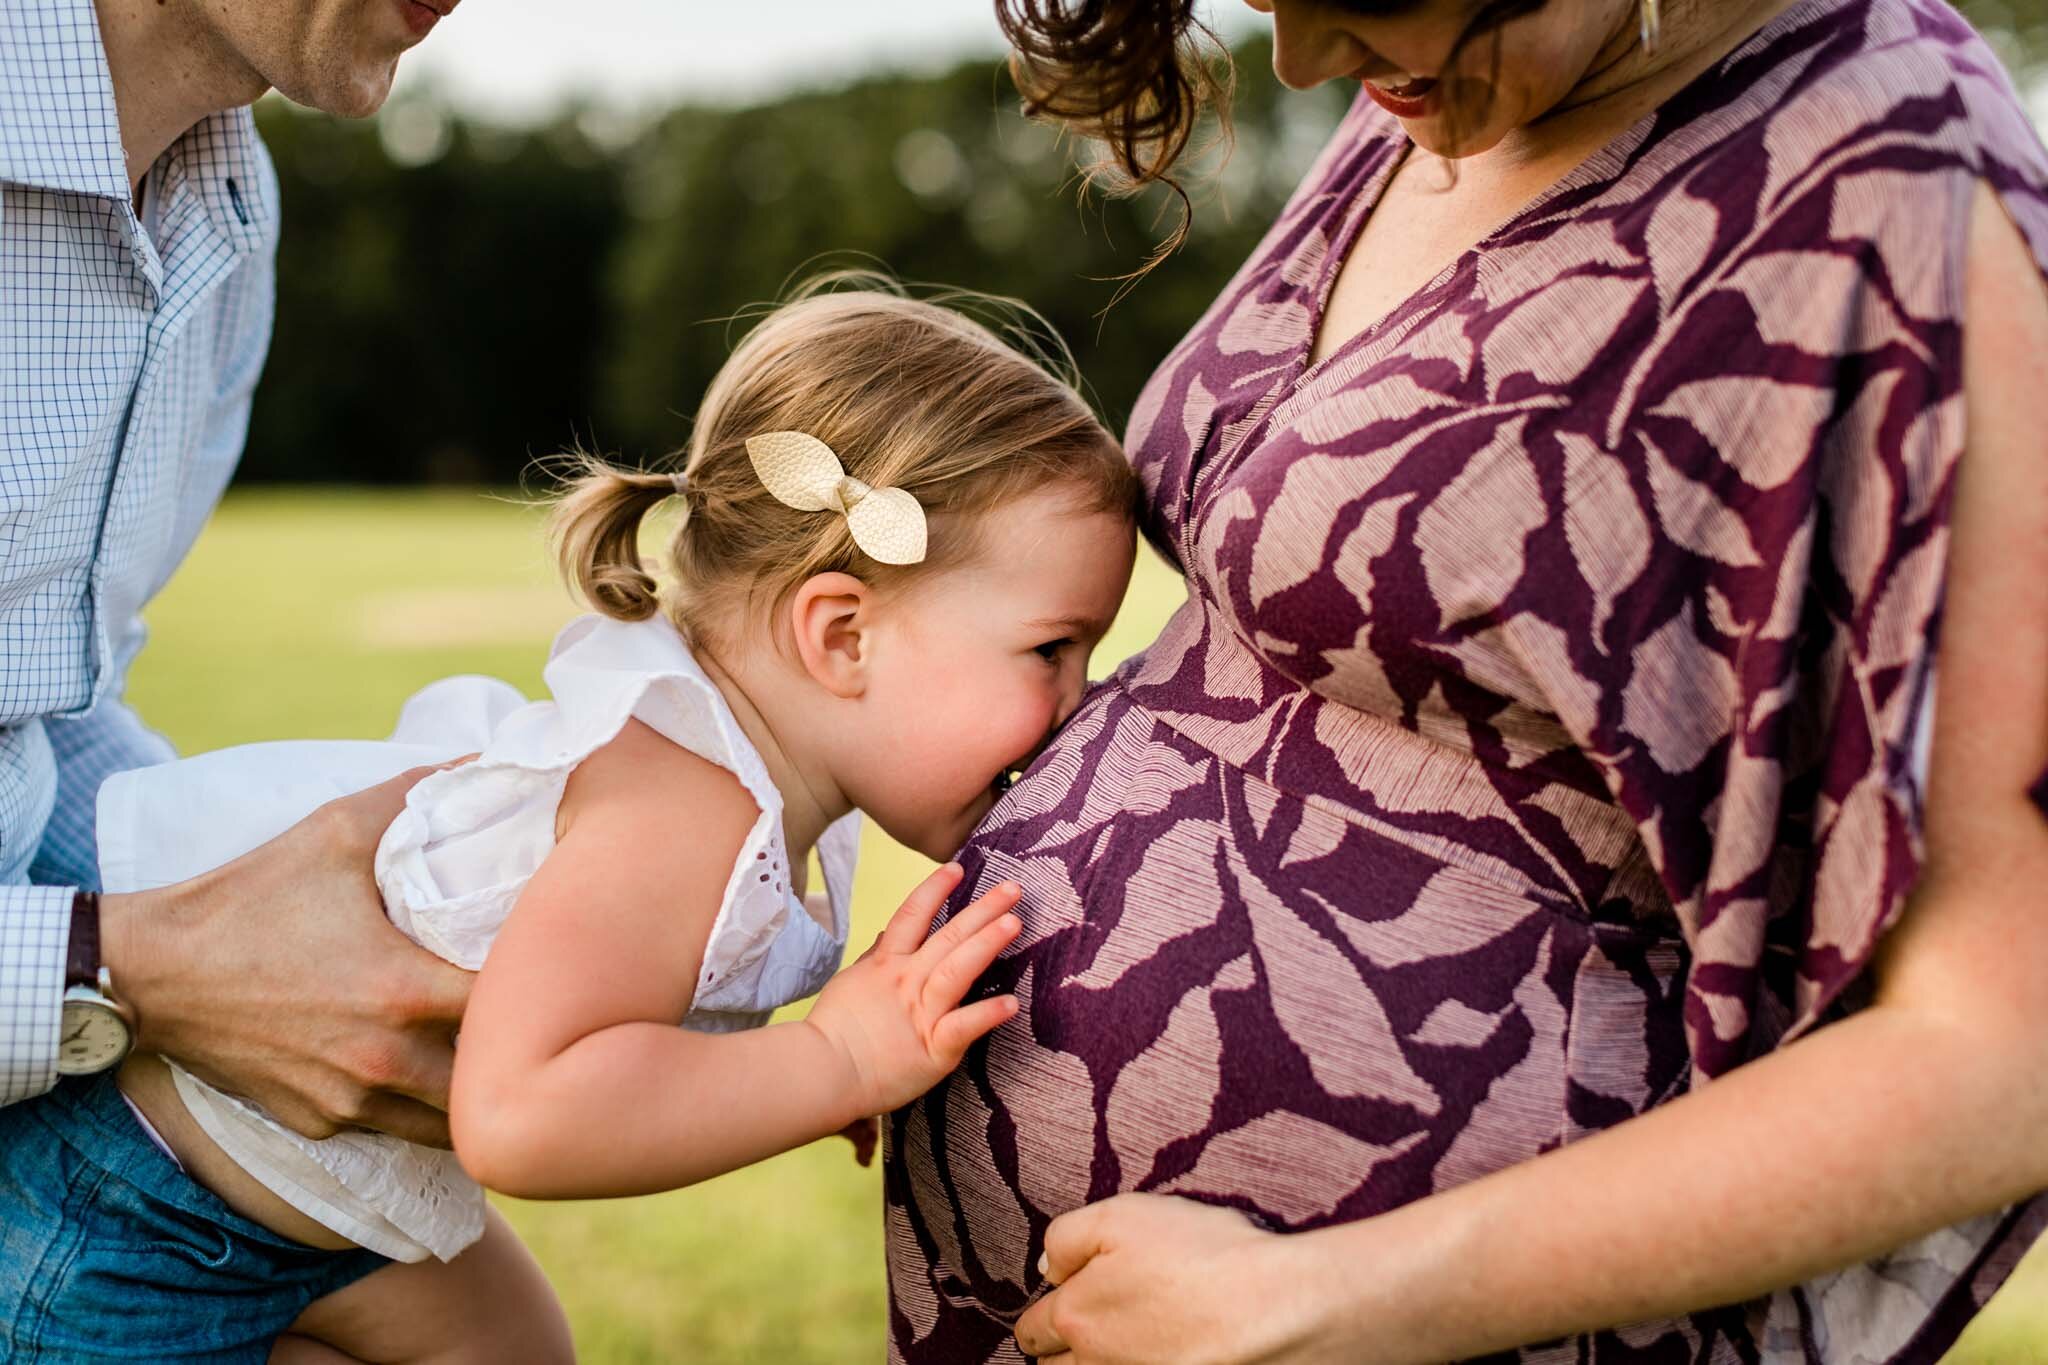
[{"x": 97, "y": 1029}]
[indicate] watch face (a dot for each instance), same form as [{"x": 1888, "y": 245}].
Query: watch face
[{"x": 93, "y": 1038}]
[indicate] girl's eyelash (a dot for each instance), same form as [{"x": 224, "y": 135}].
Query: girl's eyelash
[{"x": 1050, "y": 650}]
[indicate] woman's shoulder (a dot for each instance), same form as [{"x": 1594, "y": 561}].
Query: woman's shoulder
[
  {"x": 1816, "y": 188},
  {"x": 1833, "y": 84}
]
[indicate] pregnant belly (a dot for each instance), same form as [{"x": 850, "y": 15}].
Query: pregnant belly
[{"x": 1238, "y": 995}]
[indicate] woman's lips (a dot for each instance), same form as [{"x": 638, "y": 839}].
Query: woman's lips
[{"x": 1402, "y": 95}]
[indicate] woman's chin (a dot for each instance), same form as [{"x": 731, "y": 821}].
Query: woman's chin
[
  {"x": 1440, "y": 137},
  {"x": 1464, "y": 118}
]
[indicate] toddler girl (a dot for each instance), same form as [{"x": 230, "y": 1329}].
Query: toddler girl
[{"x": 898, "y": 540}]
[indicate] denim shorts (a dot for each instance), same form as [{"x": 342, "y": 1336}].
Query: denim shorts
[{"x": 109, "y": 1252}]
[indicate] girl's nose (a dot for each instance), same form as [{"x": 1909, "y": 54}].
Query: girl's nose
[{"x": 1070, "y": 698}]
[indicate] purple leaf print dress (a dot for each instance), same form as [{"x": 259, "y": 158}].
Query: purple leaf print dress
[{"x": 1538, "y": 740}]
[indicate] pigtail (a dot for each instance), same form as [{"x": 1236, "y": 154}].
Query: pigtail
[{"x": 595, "y": 528}]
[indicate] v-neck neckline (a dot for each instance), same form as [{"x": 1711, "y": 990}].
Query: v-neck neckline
[
  {"x": 1298, "y": 376},
  {"x": 1605, "y": 161}
]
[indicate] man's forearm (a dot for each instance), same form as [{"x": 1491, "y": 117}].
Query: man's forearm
[
  {"x": 1874, "y": 1131},
  {"x": 35, "y": 930},
  {"x": 141, "y": 935}
]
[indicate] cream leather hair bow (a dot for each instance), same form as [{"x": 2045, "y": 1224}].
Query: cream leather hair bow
[{"x": 802, "y": 472}]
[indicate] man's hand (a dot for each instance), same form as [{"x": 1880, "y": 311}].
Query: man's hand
[{"x": 278, "y": 977}]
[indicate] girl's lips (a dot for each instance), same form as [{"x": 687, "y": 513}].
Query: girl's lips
[{"x": 1411, "y": 99}]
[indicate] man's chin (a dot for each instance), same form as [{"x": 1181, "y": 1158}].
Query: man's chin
[{"x": 343, "y": 96}]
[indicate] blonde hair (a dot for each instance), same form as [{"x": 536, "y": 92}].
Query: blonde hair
[{"x": 910, "y": 393}]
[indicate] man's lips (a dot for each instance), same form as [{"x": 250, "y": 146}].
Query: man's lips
[{"x": 419, "y": 16}]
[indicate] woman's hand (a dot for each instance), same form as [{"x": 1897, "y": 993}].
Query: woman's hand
[
  {"x": 894, "y": 1017},
  {"x": 1144, "y": 1278}
]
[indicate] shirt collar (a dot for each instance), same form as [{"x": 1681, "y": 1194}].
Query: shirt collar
[
  {"x": 59, "y": 129},
  {"x": 226, "y": 164}
]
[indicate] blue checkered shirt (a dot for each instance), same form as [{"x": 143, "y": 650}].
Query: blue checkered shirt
[{"x": 127, "y": 359}]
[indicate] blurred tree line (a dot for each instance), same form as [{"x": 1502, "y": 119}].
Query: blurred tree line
[{"x": 455, "y": 299}]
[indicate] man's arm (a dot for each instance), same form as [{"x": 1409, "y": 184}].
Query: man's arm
[
  {"x": 35, "y": 927},
  {"x": 278, "y": 977},
  {"x": 35, "y": 921},
  {"x": 89, "y": 750}
]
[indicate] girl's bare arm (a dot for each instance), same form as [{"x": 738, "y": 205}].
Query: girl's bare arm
[{"x": 573, "y": 1080}]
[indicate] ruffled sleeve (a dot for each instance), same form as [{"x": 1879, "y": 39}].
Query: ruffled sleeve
[{"x": 1755, "y": 696}]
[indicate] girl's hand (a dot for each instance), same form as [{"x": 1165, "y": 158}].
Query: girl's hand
[
  {"x": 894, "y": 1017},
  {"x": 1147, "y": 1280}
]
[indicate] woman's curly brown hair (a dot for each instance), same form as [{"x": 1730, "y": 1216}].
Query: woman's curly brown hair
[
  {"x": 1137, "y": 74},
  {"x": 1132, "y": 74}
]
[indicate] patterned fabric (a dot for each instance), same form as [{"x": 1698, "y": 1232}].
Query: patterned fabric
[
  {"x": 126, "y": 366},
  {"x": 1537, "y": 742}
]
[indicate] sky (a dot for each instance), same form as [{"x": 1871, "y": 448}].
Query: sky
[{"x": 519, "y": 60}]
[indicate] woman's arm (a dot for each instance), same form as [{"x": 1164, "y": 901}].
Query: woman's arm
[
  {"x": 573, "y": 1080},
  {"x": 1922, "y": 1110}
]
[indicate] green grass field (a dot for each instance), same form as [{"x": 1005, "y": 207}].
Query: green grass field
[{"x": 316, "y": 614}]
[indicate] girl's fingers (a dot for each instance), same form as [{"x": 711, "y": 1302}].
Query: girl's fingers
[
  {"x": 913, "y": 920},
  {"x": 972, "y": 919},
  {"x": 957, "y": 972},
  {"x": 960, "y": 1028}
]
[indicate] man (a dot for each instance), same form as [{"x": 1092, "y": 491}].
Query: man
[{"x": 138, "y": 226}]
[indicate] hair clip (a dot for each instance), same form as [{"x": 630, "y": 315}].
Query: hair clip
[{"x": 801, "y": 471}]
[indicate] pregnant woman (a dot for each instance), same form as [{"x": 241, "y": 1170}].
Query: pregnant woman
[{"x": 1567, "y": 875}]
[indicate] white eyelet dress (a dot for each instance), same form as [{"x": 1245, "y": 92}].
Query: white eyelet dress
[{"x": 452, "y": 864}]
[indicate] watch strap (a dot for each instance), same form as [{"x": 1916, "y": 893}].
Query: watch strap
[{"x": 82, "y": 960}]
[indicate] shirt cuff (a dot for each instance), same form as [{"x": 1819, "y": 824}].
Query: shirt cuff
[{"x": 35, "y": 935}]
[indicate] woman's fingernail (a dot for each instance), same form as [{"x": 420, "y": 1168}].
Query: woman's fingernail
[{"x": 1044, "y": 1266}]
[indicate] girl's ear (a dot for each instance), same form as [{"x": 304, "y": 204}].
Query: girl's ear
[{"x": 831, "y": 617}]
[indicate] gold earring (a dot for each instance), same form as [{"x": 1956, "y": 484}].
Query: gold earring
[{"x": 1649, "y": 22}]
